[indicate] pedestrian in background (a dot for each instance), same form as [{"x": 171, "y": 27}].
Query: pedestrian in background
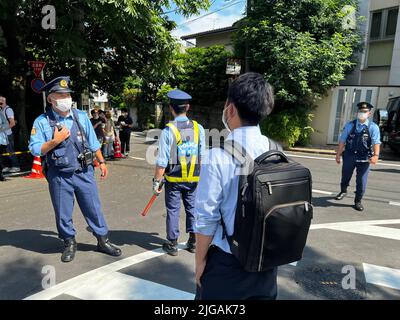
[
  {"x": 109, "y": 135},
  {"x": 97, "y": 124},
  {"x": 125, "y": 122},
  {"x": 9, "y": 115},
  {"x": 3, "y": 141}
]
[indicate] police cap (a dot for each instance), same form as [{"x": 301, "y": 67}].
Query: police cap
[
  {"x": 179, "y": 97},
  {"x": 364, "y": 106},
  {"x": 60, "y": 84}
]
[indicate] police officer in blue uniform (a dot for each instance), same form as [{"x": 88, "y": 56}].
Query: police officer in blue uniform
[
  {"x": 359, "y": 145},
  {"x": 65, "y": 139},
  {"x": 181, "y": 146}
]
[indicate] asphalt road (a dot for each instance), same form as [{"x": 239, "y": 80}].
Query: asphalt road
[{"x": 342, "y": 242}]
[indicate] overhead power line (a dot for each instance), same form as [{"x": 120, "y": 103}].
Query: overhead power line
[{"x": 210, "y": 13}]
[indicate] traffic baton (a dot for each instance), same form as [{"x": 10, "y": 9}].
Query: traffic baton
[{"x": 153, "y": 198}]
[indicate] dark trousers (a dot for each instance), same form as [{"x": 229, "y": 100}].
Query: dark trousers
[
  {"x": 225, "y": 279},
  {"x": 2, "y": 150},
  {"x": 125, "y": 138},
  {"x": 11, "y": 149},
  {"x": 362, "y": 170},
  {"x": 174, "y": 192}
]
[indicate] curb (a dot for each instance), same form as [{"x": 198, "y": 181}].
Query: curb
[{"x": 315, "y": 151}]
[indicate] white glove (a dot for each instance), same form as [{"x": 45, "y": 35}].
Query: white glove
[{"x": 156, "y": 187}]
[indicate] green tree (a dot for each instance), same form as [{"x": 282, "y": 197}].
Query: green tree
[
  {"x": 303, "y": 47},
  {"x": 202, "y": 73},
  {"x": 98, "y": 42}
]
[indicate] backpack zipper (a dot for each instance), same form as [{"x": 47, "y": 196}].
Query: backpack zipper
[
  {"x": 280, "y": 206},
  {"x": 270, "y": 184}
]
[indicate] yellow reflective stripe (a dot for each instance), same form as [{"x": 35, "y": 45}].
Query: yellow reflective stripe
[
  {"x": 192, "y": 166},
  {"x": 183, "y": 162},
  {"x": 178, "y": 179},
  {"x": 194, "y": 158},
  {"x": 196, "y": 132},
  {"x": 176, "y": 133}
]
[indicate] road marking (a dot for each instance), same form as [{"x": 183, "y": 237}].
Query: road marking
[
  {"x": 380, "y": 163},
  {"x": 119, "y": 286},
  {"x": 294, "y": 264},
  {"x": 382, "y": 276},
  {"x": 322, "y": 192},
  {"x": 98, "y": 273},
  {"x": 369, "y": 228},
  {"x": 142, "y": 159},
  {"x": 394, "y": 203}
]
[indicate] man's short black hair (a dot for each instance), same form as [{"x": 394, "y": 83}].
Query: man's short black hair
[
  {"x": 252, "y": 96},
  {"x": 93, "y": 111},
  {"x": 179, "y": 109},
  {"x": 124, "y": 110}
]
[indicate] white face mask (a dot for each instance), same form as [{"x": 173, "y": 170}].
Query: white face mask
[
  {"x": 362, "y": 116},
  {"x": 225, "y": 121},
  {"x": 64, "y": 105}
]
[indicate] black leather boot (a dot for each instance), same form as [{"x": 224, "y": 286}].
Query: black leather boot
[
  {"x": 358, "y": 205},
  {"x": 171, "y": 247},
  {"x": 191, "y": 243},
  {"x": 341, "y": 195},
  {"x": 69, "y": 250},
  {"x": 104, "y": 245}
]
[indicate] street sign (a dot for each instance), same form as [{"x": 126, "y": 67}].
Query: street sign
[
  {"x": 37, "y": 66},
  {"x": 234, "y": 67},
  {"x": 37, "y": 84}
]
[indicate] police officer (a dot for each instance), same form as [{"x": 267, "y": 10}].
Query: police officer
[
  {"x": 65, "y": 138},
  {"x": 182, "y": 143},
  {"x": 359, "y": 145}
]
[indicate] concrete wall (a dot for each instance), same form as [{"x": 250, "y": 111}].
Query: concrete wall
[
  {"x": 321, "y": 120},
  {"x": 375, "y": 77},
  {"x": 216, "y": 39},
  {"x": 383, "y": 4}
]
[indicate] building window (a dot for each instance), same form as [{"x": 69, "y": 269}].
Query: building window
[{"x": 381, "y": 37}]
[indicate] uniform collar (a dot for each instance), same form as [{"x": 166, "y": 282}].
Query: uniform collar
[
  {"x": 366, "y": 123},
  {"x": 181, "y": 118},
  {"x": 58, "y": 117},
  {"x": 241, "y": 132}
]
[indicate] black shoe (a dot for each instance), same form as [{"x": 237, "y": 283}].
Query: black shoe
[
  {"x": 2, "y": 178},
  {"x": 191, "y": 243},
  {"x": 341, "y": 195},
  {"x": 171, "y": 247},
  {"x": 104, "y": 245},
  {"x": 69, "y": 250},
  {"x": 358, "y": 206}
]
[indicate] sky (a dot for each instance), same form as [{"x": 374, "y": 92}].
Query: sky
[{"x": 233, "y": 10}]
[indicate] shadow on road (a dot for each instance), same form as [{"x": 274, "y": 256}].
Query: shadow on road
[
  {"x": 45, "y": 242},
  {"x": 386, "y": 170},
  {"x": 326, "y": 202}
]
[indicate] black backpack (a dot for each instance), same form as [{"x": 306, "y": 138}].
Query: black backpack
[{"x": 274, "y": 210}]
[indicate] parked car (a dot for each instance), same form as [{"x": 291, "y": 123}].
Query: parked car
[{"x": 391, "y": 130}]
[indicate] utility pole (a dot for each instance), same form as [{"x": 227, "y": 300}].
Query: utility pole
[{"x": 247, "y": 54}]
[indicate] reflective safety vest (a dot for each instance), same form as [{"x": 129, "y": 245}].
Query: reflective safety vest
[
  {"x": 359, "y": 143},
  {"x": 184, "y": 160}
]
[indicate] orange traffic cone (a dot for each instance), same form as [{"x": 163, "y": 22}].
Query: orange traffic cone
[
  {"x": 117, "y": 150},
  {"x": 36, "y": 172}
]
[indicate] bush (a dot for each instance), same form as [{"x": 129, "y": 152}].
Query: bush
[{"x": 289, "y": 127}]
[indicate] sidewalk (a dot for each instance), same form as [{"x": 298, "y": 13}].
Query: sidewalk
[{"x": 329, "y": 150}]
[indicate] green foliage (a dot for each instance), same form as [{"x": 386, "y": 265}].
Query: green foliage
[
  {"x": 302, "y": 47},
  {"x": 162, "y": 94},
  {"x": 97, "y": 42},
  {"x": 289, "y": 126},
  {"x": 202, "y": 73}
]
